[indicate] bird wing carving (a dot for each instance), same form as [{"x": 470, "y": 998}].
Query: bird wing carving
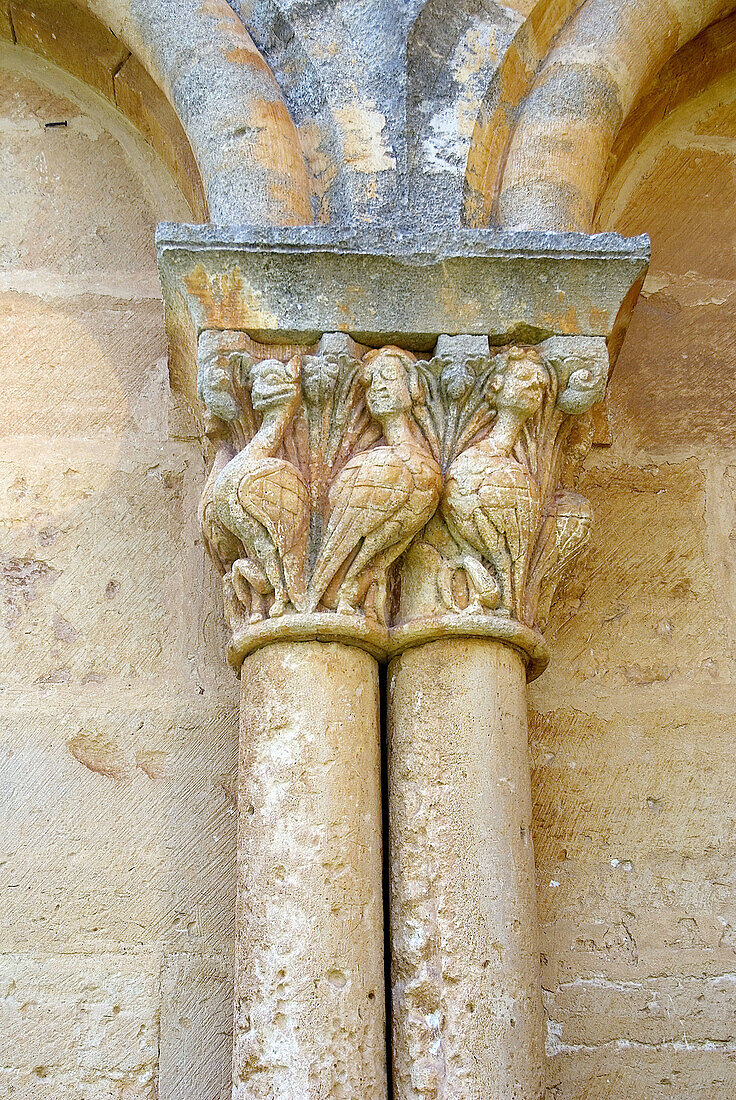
[
  {"x": 512, "y": 506},
  {"x": 222, "y": 544},
  {"x": 276, "y": 495},
  {"x": 370, "y": 490}
]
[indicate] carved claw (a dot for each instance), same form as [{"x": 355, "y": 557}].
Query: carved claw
[
  {"x": 278, "y": 607},
  {"x": 444, "y": 585},
  {"x": 486, "y": 590}
]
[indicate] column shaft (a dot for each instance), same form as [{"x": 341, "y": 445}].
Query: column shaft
[
  {"x": 309, "y": 997},
  {"x": 467, "y": 1019}
]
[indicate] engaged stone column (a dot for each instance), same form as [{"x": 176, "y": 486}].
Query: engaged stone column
[
  {"x": 465, "y": 958},
  {"x": 513, "y": 425},
  {"x": 396, "y": 427},
  {"x": 317, "y": 486},
  {"x": 309, "y": 1010}
]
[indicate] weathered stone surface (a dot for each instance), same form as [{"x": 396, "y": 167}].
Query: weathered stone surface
[
  {"x": 99, "y": 235},
  {"x": 679, "y": 183},
  {"x": 69, "y": 36},
  {"x": 143, "y": 819},
  {"x": 465, "y": 964},
  {"x": 309, "y": 988},
  {"x": 6, "y": 27},
  {"x": 476, "y": 282},
  {"x": 648, "y": 599},
  {"x": 196, "y": 1017},
  {"x": 677, "y": 1071},
  {"x": 143, "y": 102},
  {"x": 88, "y": 1025},
  {"x": 119, "y": 736}
]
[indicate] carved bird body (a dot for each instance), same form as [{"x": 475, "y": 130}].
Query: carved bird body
[
  {"x": 380, "y": 499},
  {"x": 264, "y": 500},
  {"x": 491, "y": 504}
]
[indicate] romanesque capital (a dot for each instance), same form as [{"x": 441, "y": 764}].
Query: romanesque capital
[
  {"x": 387, "y": 497},
  {"x": 386, "y": 488}
]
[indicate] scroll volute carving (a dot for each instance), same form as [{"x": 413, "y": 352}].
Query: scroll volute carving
[{"x": 321, "y": 476}]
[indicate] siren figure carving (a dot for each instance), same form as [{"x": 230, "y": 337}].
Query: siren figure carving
[
  {"x": 491, "y": 503},
  {"x": 383, "y": 497},
  {"x": 334, "y": 464},
  {"x": 263, "y": 500}
]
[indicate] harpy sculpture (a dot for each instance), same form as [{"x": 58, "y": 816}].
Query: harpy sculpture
[{"x": 330, "y": 464}]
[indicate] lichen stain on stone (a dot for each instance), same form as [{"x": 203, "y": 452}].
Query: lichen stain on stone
[
  {"x": 599, "y": 319},
  {"x": 364, "y": 147},
  {"x": 219, "y": 10},
  {"x": 565, "y": 323},
  {"x": 226, "y": 301},
  {"x": 475, "y": 53},
  {"x": 453, "y": 307},
  {"x": 321, "y": 168},
  {"x": 272, "y": 142}
]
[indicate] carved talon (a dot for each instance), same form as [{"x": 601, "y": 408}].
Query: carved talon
[{"x": 345, "y": 607}]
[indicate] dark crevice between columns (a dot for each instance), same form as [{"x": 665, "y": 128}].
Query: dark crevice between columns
[{"x": 383, "y": 697}]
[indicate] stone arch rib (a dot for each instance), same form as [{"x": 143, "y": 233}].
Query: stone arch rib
[
  {"x": 605, "y": 56},
  {"x": 227, "y": 100}
]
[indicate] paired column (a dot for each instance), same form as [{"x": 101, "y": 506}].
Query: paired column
[
  {"x": 467, "y": 1012},
  {"x": 405, "y": 496},
  {"x": 309, "y": 1008}
]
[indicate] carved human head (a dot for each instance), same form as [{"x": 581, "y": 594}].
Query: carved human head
[
  {"x": 522, "y": 381},
  {"x": 220, "y": 369},
  {"x": 389, "y": 380},
  {"x": 274, "y": 383}
]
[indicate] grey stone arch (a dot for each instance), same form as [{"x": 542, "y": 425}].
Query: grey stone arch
[
  {"x": 227, "y": 100},
  {"x": 341, "y": 67},
  {"x": 453, "y": 55}
]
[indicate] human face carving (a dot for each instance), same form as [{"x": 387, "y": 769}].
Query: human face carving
[
  {"x": 388, "y": 391},
  {"x": 523, "y": 386}
]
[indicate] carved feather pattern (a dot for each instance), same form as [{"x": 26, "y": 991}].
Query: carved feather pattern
[
  {"x": 389, "y": 483},
  {"x": 306, "y": 469}
]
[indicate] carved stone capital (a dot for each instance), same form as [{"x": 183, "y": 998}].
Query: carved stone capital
[
  {"x": 388, "y": 488},
  {"x": 384, "y": 497}
]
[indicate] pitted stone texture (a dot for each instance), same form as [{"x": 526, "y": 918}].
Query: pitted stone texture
[
  {"x": 102, "y": 1007},
  {"x": 309, "y": 993},
  {"x": 118, "y": 738},
  {"x": 467, "y": 1021}
]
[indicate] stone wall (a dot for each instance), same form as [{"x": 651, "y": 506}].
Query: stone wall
[
  {"x": 632, "y": 725},
  {"x": 119, "y": 714}
]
